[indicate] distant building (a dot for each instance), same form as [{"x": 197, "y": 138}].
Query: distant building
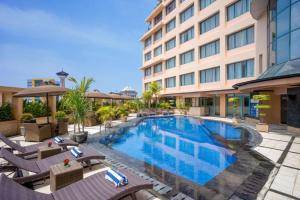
[
  {"x": 62, "y": 76},
  {"x": 129, "y": 91}
]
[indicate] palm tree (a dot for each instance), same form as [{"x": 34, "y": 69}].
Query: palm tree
[
  {"x": 147, "y": 96},
  {"x": 155, "y": 89}
]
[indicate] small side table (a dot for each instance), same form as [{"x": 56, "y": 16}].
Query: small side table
[
  {"x": 44, "y": 152},
  {"x": 62, "y": 176}
]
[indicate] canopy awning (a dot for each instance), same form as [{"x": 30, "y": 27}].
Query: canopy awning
[
  {"x": 47, "y": 90},
  {"x": 97, "y": 95}
]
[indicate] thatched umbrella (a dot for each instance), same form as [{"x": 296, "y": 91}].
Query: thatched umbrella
[
  {"x": 42, "y": 91},
  {"x": 97, "y": 95}
]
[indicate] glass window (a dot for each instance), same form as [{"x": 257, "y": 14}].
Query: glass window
[
  {"x": 240, "y": 69},
  {"x": 148, "y": 71},
  {"x": 241, "y": 38},
  {"x": 210, "y": 49},
  {"x": 187, "y": 35},
  {"x": 187, "y": 79},
  {"x": 295, "y": 44},
  {"x": 171, "y": 25},
  {"x": 210, "y": 75},
  {"x": 158, "y": 18},
  {"x": 209, "y": 24},
  {"x": 159, "y": 83},
  {"x": 295, "y": 16},
  {"x": 238, "y": 8},
  {"x": 282, "y": 4},
  {"x": 158, "y": 35},
  {"x": 187, "y": 13},
  {"x": 283, "y": 49},
  {"x": 158, "y": 51},
  {"x": 187, "y": 57},
  {"x": 170, "y": 82},
  {"x": 283, "y": 22},
  {"x": 148, "y": 42},
  {"x": 158, "y": 68},
  {"x": 147, "y": 85},
  {"x": 171, "y": 63},
  {"x": 170, "y": 7},
  {"x": 171, "y": 44},
  {"x": 147, "y": 56},
  {"x": 205, "y": 3}
]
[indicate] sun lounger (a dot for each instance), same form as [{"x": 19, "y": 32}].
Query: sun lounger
[
  {"x": 95, "y": 187},
  {"x": 28, "y": 150},
  {"x": 41, "y": 167}
]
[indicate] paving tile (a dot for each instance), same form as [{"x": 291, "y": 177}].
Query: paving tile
[
  {"x": 275, "y": 196},
  {"x": 297, "y": 140},
  {"x": 273, "y": 136},
  {"x": 274, "y": 144},
  {"x": 292, "y": 160},
  {"x": 295, "y": 148},
  {"x": 272, "y": 154},
  {"x": 287, "y": 181}
]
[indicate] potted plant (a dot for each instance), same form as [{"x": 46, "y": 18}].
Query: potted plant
[
  {"x": 261, "y": 98},
  {"x": 38, "y": 109},
  {"x": 235, "y": 108},
  {"x": 8, "y": 125},
  {"x": 78, "y": 104},
  {"x": 106, "y": 115},
  {"x": 122, "y": 113},
  {"x": 62, "y": 122},
  {"x": 27, "y": 118}
]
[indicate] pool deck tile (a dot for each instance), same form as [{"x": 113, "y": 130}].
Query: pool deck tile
[
  {"x": 275, "y": 196},
  {"x": 295, "y": 148},
  {"x": 274, "y": 144},
  {"x": 275, "y": 136},
  {"x": 292, "y": 160},
  {"x": 272, "y": 154},
  {"x": 297, "y": 140}
]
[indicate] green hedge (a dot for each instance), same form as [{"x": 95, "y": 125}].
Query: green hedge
[
  {"x": 5, "y": 112},
  {"x": 37, "y": 109}
]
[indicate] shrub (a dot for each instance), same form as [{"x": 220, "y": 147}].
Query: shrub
[
  {"x": 106, "y": 113},
  {"x": 5, "y": 112},
  {"x": 37, "y": 109},
  {"x": 122, "y": 111},
  {"x": 26, "y": 117},
  {"x": 165, "y": 105},
  {"x": 235, "y": 105},
  {"x": 60, "y": 115}
]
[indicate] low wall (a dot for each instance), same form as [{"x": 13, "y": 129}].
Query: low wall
[
  {"x": 42, "y": 120},
  {"x": 10, "y": 128}
]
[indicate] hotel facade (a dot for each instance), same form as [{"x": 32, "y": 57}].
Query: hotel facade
[{"x": 200, "y": 51}]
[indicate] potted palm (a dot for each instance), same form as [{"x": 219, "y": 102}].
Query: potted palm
[
  {"x": 122, "y": 113},
  {"x": 261, "y": 98},
  {"x": 76, "y": 101},
  {"x": 106, "y": 115},
  {"x": 235, "y": 108},
  {"x": 62, "y": 122}
]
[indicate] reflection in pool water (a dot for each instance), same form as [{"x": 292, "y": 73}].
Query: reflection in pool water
[{"x": 183, "y": 146}]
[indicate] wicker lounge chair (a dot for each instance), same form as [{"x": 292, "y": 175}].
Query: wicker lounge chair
[
  {"x": 41, "y": 167},
  {"x": 28, "y": 150},
  {"x": 37, "y": 133},
  {"x": 94, "y": 187}
]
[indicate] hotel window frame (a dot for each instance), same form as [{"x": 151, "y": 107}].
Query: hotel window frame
[
  {"x": 209, "y": 75},
  {"x": 245, "y": 6},
  {"x": 148, "y": 71},
  {"x": 183, "y": 80},
  {"x": 206, "y": 4},
  {"x": 208, "y": 21},
  {"x": 247, "y": 34},
  {"x": 173, "y": 79},
  {"x": 157, "y": 66},
  {"x": 157, "y": 51},
  {"x": 187, "y": 35},
  {"x": 169, "y": 42},
  {"x": 148, "y": 56},
  {"x": 158, "y": 18},
  {"x": 170, "y": 7},
  {"x": 168, "y": 60},
  {"x": 157, "y": 35},
  {"x": 168, "y": 25},
  {"x": 147, "y": 43},
  {"x": 182, "y": 57},
  {"x": 188, "y": 13},
  {"x": 240, "y": 69},
  {"x": 214, "y": 50}
]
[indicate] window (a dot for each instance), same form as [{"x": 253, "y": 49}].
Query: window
[
  {"x": 147, "y": 86},
  {"x": 210, "y": 23},
  {"x": 205, "y": 3},
  {"x": 283, "y": 22},
  {"x": 158, "y": 51},
  {"x": 158, "y": 18},
  {"x": 158, "y": 35},
  {"x": 187, "y": 13},
  {"x": 187, "y": 79},
  {"x": 159, "y": 83},
  {"x": 187, "y": 57},
  {"x": 170, "y": 82},
  {"x": 187, "y": 35},
  {"x": 158, "y": 68},
  {"x": 295, "y": 16},
  {"x": 283, "y": 48},
  {"x": 238, "y": 8},
  {"x": 148, "y": 71},
  {"x": 148, "y": 42},
  {"x": 171, "y": 44},
  {"x": 171, "y": 63},
  {"x": 171, "y": 25},
  {"x": 148, "y": 56},
  {"x": 295, "y": 44},
  {"x": 210, "y": 49},
  {"x": 240, "y": 38},
  {"x": 210, "y": 75},
  {"x": 240, "y": 69},
  {"x": 170, "y": 7}
]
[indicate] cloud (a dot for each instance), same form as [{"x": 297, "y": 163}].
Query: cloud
[{"x": 44, "y": 25}]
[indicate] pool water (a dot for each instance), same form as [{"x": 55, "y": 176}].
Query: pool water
[{"x": 183, "y": 146}]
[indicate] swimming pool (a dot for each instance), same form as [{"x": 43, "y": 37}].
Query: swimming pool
[{"x": 184, "y": 146}]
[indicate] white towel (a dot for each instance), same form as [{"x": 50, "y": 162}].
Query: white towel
[
  {"x": 117, "y": 178},
  {"x": 76, "y": 152}
]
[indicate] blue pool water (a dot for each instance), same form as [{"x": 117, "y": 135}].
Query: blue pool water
[{"x": 183, "y": 146}]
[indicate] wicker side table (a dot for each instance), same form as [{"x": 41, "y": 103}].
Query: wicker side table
[
  {"x": 61, "y": 176},
  {"x": 44, "y": 152}
]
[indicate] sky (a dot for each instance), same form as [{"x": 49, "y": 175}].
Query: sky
[{"x": 98, "y": 39}]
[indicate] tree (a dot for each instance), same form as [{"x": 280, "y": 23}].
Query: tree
[
  {"x": 261, "y": 106},
  {"x": 235, "y": 105},
  {"x": 155, "y": 89},
  {"x": 147, "y": 96},
  {"x": 106, "y": 115}
]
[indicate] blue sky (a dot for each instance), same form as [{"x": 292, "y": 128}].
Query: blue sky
[{"x": 92, "y": 38}]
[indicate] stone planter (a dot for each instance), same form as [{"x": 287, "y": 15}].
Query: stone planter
[
  {"x": 42, "y": 120},
  {"x": 10, "y": 128},
  {"x": 62, "y": 127},
  {"x": 236, "y": 120},
  {"x": 262, "y": 127},
  {"x": 79, "y": 137}
]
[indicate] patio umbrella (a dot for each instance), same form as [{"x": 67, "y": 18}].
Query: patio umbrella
[{"x": 42, "y": 91}]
